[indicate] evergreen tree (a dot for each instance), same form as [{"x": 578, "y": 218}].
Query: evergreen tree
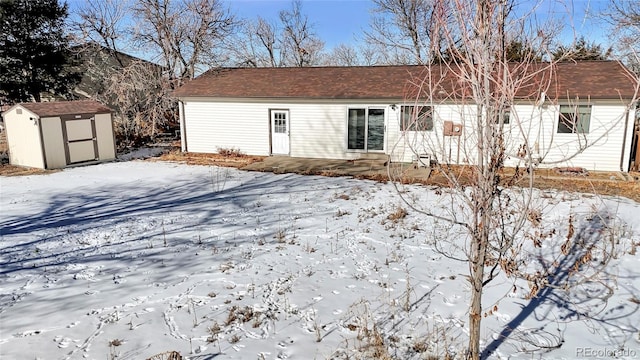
[
  {"x": 581, "y": 50},
  {"x": 34, "y": 50}
]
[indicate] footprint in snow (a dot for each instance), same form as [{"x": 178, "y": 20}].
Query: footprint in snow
[
  {"x": 449, "y": 301},
  {"x": 504, "y": 318},
  {"x": 62, "y": 342},
  {"x": 28, "y": 333},
  {"x": 286, "y": 342}
]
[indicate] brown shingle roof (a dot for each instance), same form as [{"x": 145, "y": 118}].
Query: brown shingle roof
[
  {"x": 595, "y": 79},
  {"x": 59, "y": 108}
]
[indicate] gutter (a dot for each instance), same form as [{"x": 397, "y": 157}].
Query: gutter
[
  {"x": 183, "y": 133},
  {"x": 624, "y": 140}
]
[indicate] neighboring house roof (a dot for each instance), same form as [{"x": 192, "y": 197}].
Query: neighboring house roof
[
  {"x": 59, "y": 108},
  {"x": 593, "y": 79},
  {"x": 97, "y": 63}
]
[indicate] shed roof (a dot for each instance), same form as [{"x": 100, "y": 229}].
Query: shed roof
[
  {"x": 59, "y": 108},
  {"x": 594, "y": 79}
]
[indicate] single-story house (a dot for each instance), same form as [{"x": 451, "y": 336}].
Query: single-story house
[
  {"x": 569, "y": 114},
  {"x": 50, "y": 135}
]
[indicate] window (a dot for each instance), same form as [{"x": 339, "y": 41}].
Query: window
[
  {"x": 365, "y": 127},
  {"x": 574, "y": 119},
  {"x": 356, "y": 126},
  {"x": 280, "y": 123},
  {"x": 416, "y": 118},
  {"x": 505, "y": 117}
]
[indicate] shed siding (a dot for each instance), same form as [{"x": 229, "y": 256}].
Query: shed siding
[
  {"x": 39, "y": 142},
  {"x": 104, "y": 134},
  {"x": 53, "y": 142},
  {"x": 23, "y": 137}
]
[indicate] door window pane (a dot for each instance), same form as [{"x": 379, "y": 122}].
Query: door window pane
[
  {"x": 280, "y": 123},
  {"x": 375, "y": 130},
  {"x": 356, "y": 129}
]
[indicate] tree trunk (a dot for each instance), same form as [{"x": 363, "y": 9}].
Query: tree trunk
[
  {"x": 475, "y": 306},
  {"x": 475, "y": 315}
]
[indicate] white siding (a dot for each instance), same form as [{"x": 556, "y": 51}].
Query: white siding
[
  {"x": 318, "y": 130},
  {"x": 446, "y": 149},
  {"x": 210, "y": 126},
  {"x": 23, "y": 137},
  {"x": 602, "y": 145}
]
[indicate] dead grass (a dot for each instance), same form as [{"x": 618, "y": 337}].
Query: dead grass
[
  {"x": 234, "y": 160},
  {"x": 601, "y": 183},
  {"x": 399, "y": 214},
  {"x": 12, "y": 170}
]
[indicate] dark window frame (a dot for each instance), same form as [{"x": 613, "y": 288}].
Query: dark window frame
[
  {"x": 423, "y": 118},
  {"x": 505, "y": 117},
  {"x": 574, "y": 119}
]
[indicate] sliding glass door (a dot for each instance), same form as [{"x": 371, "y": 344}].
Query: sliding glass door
[{"x": 365, "y": 129}]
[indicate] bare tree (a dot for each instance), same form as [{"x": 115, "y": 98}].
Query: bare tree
[
  {"x": 266, "y": 34},
  {"x": 301, "y": 46},
  {"x": 343, "y": 55},
  {"x": 187, "y": 33},
  {"x": 496, "y": 231},
  {"x": 401, "y": 30},
  {"x": 104, "y": 23},
  {"x": 624, "y": 16},
  {"x": 289, "y": 41},
  {"x": 182, "y": 35},
  {"x": 257, "y": 44},
  {"x": 141, "y": 96}
]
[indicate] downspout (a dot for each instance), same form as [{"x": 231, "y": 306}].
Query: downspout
[
  {"x": 183, "y": 128},
  {"x": 624, "y": 140}
]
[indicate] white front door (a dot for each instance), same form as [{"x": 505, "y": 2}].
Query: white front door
[{"x": 280, "y": 132}]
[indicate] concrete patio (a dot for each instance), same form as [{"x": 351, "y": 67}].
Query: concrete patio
[{"x": 374, "y": 167}]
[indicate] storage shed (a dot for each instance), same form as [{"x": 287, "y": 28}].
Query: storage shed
[{"x": 52, "y": 135}]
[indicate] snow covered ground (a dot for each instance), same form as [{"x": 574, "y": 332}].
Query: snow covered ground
[{"x": 131, "y": 259}]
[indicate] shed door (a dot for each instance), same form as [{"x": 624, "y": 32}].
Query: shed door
[
  {"x": 280, "y": 132},
  {"x": 80, "y": 140}
]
